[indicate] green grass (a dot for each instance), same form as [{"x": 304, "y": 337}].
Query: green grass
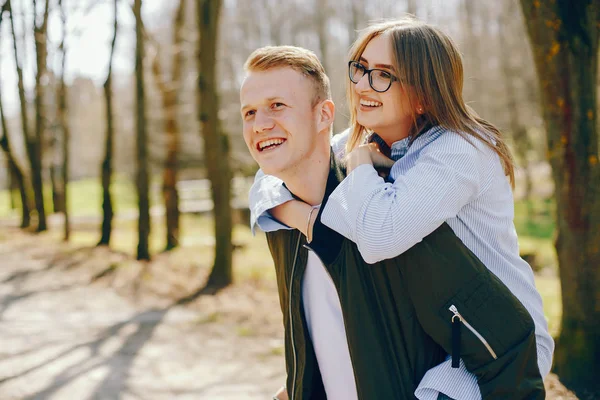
[
  {"x": 85, "y": 197},
  {"x": 536, "y": 218},
  {"x": 549, "y": 288}
]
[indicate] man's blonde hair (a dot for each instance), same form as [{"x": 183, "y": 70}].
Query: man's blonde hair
[{"x": 297, "y": 58}]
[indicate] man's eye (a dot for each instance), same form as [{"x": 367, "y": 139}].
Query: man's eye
[
  {"x": 277, "y": 105},
  {"x": 249, "y": 113}
]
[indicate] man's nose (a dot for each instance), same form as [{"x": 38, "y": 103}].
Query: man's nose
[{"x": 263, "y": 122}]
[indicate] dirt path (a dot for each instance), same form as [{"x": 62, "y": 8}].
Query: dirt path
[
  {"x": 83, "y": 323},
  {"x": 64, "y": 338}
]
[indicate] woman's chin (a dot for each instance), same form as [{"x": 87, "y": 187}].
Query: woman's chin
[{"x": 366, "y": 122}]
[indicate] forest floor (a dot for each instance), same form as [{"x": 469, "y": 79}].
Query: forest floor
[{"x": 81, "y": 322}]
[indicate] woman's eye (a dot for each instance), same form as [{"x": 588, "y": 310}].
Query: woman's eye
[{"x": 383, "y": 75}]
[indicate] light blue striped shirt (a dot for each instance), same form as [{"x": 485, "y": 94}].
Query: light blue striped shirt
[{"x": 439, "y": 177}]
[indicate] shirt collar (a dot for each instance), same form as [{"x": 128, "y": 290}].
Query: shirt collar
[{"x": 396, "y": 152}]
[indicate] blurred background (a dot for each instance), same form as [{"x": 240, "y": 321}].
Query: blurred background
[{"x": 127, "y": 267}]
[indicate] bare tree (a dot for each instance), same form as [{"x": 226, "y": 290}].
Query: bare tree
[
  {"x": 35, "y": 144},
  {"x": 169, "y": 89},
  {"x": 107, "y": 162},
  {"x": 565, "y": 38},
  {"x": 216, "y": 145},
  {"x": 13, "y": 167},
  {"x": 64, "y": 123},
  {"x": 21, "y": 89},
  {"x": 411, "y": 7},
  {"x": 511, "y": 75},
  {"x": 142, "y": 178}
]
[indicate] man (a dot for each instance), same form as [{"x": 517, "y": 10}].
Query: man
[{"x": 354, "y": 330}]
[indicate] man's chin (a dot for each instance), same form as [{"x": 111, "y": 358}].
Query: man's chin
[{"x": 272, "y": 170}]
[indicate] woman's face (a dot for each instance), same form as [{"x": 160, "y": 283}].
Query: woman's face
[{"x": 386, "y": 113}]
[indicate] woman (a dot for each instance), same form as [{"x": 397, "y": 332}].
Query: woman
[{"x": 405, "y": 95}]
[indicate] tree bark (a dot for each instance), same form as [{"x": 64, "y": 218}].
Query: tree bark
[
  {"x": 411, "y": 7},
  {"x": 57, "y": 188},
  {"x": 169, "y": 90},
  {"x": 16, "y": 175},
  {"x": 216, "y": 145},
  {"x": 565, "y": 39},
  {"x": 12, "y": 185},
  {"x": 107, "y": 163},
  {"x": 23, "y": 107},
  {"x": 64, "y": 122},
  {"x": 35, "y": 144},
  {"x": 511, "y": 75},
  {"x": 142, "y": 178}
]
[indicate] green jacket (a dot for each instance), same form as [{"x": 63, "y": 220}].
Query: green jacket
[{"x": 398, "y": 316}]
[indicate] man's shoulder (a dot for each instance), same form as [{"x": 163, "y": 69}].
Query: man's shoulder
[{"x": 338, "y": 143}]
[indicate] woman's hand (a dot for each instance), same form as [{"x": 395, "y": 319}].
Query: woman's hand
[{"x": 368, "y": 154}]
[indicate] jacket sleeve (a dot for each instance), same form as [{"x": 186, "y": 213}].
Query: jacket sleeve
[{"x": 386, "y": 219}]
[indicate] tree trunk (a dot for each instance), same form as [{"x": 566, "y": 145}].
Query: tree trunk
[
  {"x": 564, "y": 38},
  {"x": 142, "y": 178},
  {"x": 12, "y": 185},
  {"x": 35, "y": 144},
  {"x": 16, "y": 176},
  {"x": 64, "y": 122},
  {"x": 411, "y": 7},
  {"x": 169, "y": 91},
  {"x": 14, "y": 169},
  {"x": 57, "y": 189},
  {"x": 107, "y": 167},
  {"x": 216, "y": 145},
  {"x": 474, "y": 63},
  {"x": 23, "y": 108},
  {"x": 511, "y": 76}
]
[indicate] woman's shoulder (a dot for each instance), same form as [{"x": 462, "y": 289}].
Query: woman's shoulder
[{"x": 452, "y": 141}]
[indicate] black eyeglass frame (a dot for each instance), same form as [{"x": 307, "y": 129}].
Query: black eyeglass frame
[{"x": 368, "y": 72}]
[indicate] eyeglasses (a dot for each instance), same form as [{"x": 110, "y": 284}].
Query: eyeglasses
[{"x": 379, "y": 80}]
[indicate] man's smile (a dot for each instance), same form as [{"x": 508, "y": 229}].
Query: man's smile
[{"x": 269, "y": 144}]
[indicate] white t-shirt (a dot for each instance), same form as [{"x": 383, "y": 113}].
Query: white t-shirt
[{"x": 325, "y": 322}]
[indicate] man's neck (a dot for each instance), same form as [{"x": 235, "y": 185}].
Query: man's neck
[{"x": 309, "y": 180}]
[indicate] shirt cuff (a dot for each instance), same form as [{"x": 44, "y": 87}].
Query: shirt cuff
[
  {"x": 264, "y": 195},
  {"x": 343, "y": 208},
  {"x": 456, "y": 383},
  {"x": 267, "y": 223}
]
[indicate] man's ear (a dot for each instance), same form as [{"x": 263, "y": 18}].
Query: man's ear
[{"x": 326, "y": 115}]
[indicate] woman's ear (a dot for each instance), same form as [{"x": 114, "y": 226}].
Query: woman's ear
[{"x": 326, "y": 115}]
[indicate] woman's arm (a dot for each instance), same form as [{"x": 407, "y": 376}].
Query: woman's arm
[
  {"x": 268, "y": 192},
  {"x": 386, "y": 219}
]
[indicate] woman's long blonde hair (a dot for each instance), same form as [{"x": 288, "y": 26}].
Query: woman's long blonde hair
[{"x": 427, "y": 61}]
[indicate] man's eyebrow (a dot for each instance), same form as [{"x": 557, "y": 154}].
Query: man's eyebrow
[{"x": 268, "y": 100}]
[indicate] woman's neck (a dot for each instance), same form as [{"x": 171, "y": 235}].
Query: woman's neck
[{"x": 392, "y": 134}]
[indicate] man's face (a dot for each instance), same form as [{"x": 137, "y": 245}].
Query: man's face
[{"x": 279, "y": 121}]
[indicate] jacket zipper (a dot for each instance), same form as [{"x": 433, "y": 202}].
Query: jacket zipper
[
  {"x": 344, "y": 317},
  {"x": 292, "y": 320},
  {"x": 456, "y": 320}
]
